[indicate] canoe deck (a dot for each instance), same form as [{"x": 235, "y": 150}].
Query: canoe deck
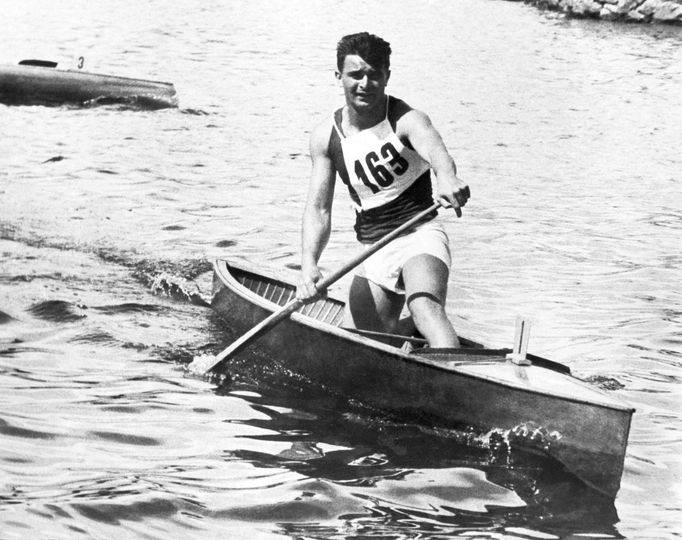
[{"x": 587, "y": 428}]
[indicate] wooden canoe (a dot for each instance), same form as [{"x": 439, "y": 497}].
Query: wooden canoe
[
  {"x": 40, "y": 84},
  {"x": 585, "y": 429}
]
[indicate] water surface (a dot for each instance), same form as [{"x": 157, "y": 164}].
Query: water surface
[{"x": 567, "y": 133}]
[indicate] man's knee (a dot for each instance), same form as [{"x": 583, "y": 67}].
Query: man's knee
[
  {"x": 423, "y": 297},
  {"x": 426, "y": 308},
  {"x": 426, "y": 275}
]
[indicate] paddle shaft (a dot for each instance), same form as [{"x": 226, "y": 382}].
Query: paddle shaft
[{"x": 323, "y": 284}]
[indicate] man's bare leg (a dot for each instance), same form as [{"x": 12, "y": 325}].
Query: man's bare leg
[
  {"x": 371, "y": 307},
  {"x": 426, "y": 285}
]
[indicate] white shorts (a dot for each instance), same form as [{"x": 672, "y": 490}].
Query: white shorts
[{"x": 385, "y": 267}]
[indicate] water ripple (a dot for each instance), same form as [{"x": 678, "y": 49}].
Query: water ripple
[
  {"x": 126, "y": 438},
  {"x": 58, "y": 311},
  {"x": 13, "y": 431}
]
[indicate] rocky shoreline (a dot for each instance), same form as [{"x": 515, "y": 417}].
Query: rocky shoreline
[{"x": 644, "y": 11}]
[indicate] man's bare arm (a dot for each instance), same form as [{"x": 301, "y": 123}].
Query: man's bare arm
[
  {"x": 318, "y": 211},
  {"x": 416, "y": 127}
]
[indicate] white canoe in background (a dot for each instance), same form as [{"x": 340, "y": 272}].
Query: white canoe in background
[{"x": 41, "y": 82}]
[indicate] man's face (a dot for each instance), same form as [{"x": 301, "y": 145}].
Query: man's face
[{"x": 363, "y": 85}]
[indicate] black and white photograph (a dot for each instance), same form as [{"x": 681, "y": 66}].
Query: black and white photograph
[{"x": 341, "y": 270}]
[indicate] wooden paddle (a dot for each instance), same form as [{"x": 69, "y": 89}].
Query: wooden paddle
[{"x": 205, "y": 363}]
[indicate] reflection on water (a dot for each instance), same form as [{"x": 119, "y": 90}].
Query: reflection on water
[{"x": 407, "y": 478}]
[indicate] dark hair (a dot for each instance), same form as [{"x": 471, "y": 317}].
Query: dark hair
[{"x": 372, "y": 49}]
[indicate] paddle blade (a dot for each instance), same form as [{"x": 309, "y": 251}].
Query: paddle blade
[
  {"x": 205, "y": 363},
  {"x": 201, "y": 364}
]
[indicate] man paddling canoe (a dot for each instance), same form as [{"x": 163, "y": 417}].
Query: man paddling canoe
[{"x": 383, "y": 151}]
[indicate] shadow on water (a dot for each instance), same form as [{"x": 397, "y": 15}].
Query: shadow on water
[{"x": 412, "y": 479}]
